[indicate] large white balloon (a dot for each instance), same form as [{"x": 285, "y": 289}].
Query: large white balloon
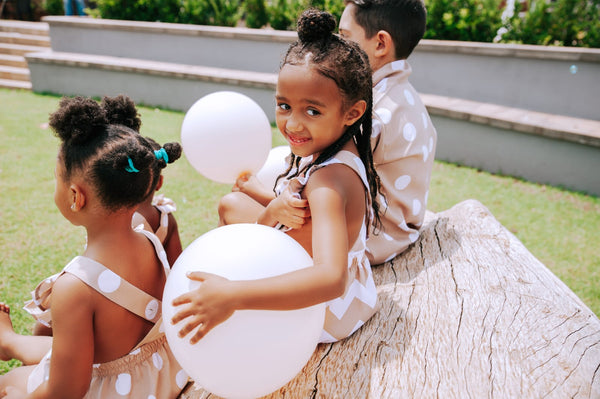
[
  {"x": 225, "y": 134},
  {"x": 274, "y": 166},
  {"x": 254, "y": 352}
]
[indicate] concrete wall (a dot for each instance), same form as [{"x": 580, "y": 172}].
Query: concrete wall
[
  {"x": 531, "y": 157},
  {"x": 562, "y": 81}
]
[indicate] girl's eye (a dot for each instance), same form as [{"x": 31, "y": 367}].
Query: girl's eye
[
  {"x": 283, "y": 106},
  {"x": 313, "y": 112}
]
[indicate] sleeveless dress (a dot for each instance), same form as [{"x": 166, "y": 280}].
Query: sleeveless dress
[
  {"x": 165, "y": 206},
  {"x": 150, "y": 370},
  {"x": 346, "y": 314}
]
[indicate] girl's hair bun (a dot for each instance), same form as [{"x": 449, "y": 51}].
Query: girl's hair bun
[
  {"x": 315, "y": 25},
  {"x": 173, "y": 150},
  {"x": 78, "y": 120},
  {"x": 121, "y": 110}
]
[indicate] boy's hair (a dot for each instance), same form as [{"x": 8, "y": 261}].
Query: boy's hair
[
  {"x": 348, "y": 66},
  {"x": 404, "y": 20},
  {"x": 102, "y": 142}
]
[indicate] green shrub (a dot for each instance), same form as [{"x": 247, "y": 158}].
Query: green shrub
[
  {"x": 562, "y": 23},
  {"x": 54, "y": 7},
  {"x": 256, "y": 13},
  {"x": 139, "y": 10},
  {"x": 283, "y": 14},
  {"x": 468, "y": 20},
  {"x": 195, "y": 12}
]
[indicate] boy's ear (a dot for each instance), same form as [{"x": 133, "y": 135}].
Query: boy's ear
[
  {"x": 384, "y": 46},
  {"x": 355, "y": 112}
]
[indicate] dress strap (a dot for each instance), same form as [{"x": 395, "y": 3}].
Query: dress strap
[{"x": 115, "y": 288}]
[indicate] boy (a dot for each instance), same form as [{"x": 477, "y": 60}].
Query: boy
[{"x": 404, "y": 138}]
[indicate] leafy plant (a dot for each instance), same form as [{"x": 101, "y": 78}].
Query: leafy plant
[
  {"x": 562, "y": 23},
  {"x": 256, "y": 13},
  {"x": 468, "y": 20}
]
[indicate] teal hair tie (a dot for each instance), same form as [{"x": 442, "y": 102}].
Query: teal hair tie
[
  {"x": 130, "y": 168},
  {"x": 161, "y": 154}
]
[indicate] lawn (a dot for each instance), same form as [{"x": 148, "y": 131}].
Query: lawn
[{"x": 559, "y": 227}]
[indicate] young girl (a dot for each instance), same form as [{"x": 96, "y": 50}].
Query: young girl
[
  {"x": 105, "y": 311},
  {"x": 324, "y": 99}
]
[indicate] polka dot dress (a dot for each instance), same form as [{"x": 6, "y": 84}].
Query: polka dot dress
[
  {"x": 150, "y": 370},
  {"x": 346, "y": 314},
  {"x": 403, "y": 142},
  {"x": 165, "y": 206}
]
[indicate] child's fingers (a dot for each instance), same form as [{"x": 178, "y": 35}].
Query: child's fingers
[
  {"x": 198, "y": 276},
  {"x": 202, "y": 331}
]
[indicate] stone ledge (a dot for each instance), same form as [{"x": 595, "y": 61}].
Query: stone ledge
[
  {"x": 190, "y": 72},
  {"x": 578, "y": 130}
]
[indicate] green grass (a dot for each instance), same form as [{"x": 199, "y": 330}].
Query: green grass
[{"x": 559, "y": 227}]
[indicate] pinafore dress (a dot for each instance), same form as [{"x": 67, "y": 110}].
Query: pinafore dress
[
  {"x": 346, "y": 314},
  {"x": 150, "y": 370}
]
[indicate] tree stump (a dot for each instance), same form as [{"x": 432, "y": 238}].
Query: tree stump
[{"x": 466, "y": 312}]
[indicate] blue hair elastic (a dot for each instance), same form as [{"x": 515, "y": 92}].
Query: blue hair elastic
[
  {"x": 130, "y": 168},
  {"x": 161, "y": 154}
]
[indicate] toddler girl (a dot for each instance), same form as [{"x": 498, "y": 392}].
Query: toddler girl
[{"x": 105, "y": 305}]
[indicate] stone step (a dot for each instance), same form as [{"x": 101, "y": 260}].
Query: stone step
[
  {"x": 14, "y": 73},
  {"x": 15, "y": 84},
  {"x": 13, "y": 60},
  {"x": 19, "y": 49},
  {"x": 24, "y": 39},
  {"x": 24, "y": 27}
]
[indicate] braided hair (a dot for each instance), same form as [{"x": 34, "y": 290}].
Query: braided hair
[
  {"x": 348, "y": 66},
  {"x": 102, "y": 143}
]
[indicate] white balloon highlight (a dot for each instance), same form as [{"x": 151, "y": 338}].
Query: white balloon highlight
[
  {"x": 225, "y": 134},
  {"x": 254, "y": 352}
]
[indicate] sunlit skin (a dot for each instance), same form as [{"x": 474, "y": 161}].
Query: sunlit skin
[
  {"x": 87, "y": 327},
  {"x": 311, "y": 116}
]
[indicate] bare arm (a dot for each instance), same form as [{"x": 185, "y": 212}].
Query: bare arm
[
  {"x": 217, "y": 298},
  {"x": 73, "y": 341}
]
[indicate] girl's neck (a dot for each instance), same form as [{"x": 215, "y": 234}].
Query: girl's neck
[{"x": 109, "y": 231}]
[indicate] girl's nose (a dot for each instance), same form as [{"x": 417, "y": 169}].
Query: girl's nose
[{"x": 292, "y": 124}]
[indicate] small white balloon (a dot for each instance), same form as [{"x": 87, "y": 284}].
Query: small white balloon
[
  {"x": 254, "y": 352},
  {"x": 225, "y": 134},
  {"x": 274, "y": 166}
]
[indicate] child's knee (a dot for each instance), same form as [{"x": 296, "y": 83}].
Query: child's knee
[{"x": 228, "y": 204}]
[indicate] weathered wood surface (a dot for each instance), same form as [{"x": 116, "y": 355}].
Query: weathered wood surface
[{"x": 467, "y": 312}]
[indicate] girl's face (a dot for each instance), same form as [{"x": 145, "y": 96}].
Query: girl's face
[{"x": 309, "y": 111}]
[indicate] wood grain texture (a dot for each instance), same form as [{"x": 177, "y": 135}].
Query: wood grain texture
[{"x": 466, "y": 312}]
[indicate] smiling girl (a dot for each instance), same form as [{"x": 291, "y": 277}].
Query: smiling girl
[{"x": 324, "y": 104}]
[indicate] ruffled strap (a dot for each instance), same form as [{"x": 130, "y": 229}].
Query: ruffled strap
[{"x": 165, "y": 206}]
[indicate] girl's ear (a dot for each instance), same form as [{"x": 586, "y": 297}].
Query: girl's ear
[
  {"x": 160, "y": 183},
  {"x": 355, "y": 112},
  {"x": 78, "y": 199}
]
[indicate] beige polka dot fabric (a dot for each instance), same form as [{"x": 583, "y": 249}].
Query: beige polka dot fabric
[
  {"x": 165, "y": 206},
  {"x": 403, "y": 142},
  {"x": 346, "y": 314},
  {"x": 150, "y": 370}
]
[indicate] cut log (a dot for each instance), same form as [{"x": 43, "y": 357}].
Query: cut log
[{"x": 466, "y": 312}]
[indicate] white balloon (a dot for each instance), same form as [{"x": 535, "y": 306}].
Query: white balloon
[
  {"x": 225, "y": 134},
  {"x": 254, "y": 352},
  {"x": 274, "y": 166}
]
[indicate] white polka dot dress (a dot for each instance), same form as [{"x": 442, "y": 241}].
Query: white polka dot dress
[
  {"x": 150, "y": 370},
  {"x": 346, "y": 314},
  {"x": 403, "y": 142}
]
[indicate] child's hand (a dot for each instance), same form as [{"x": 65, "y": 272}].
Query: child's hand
[
  {"x": 205, "y": 307},
  {"x": 289, "y": 210},
  {"x": 249, "y": 184},
  {"x": 12, "y": 393}
]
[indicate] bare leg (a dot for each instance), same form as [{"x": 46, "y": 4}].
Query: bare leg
[
  {"x": 26, "y": 348},
  {"x": 237, "y": 207},
  {"x": 16, "y": 378}
]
